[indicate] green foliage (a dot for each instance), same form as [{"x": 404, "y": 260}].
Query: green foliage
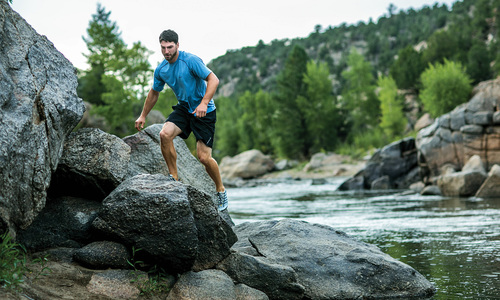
[
  {"x": 393, "y": 120},
  {"x": 478, "y": 63},
  {"x": 319, "y": 110},
  {"x": 440, "y": 46},
  {"x": 154, "y": 283},
  {"x": 444, "y": 87},
  {"x": 407, "y": 68},
  {"x": 226, "y": 134},
  {"x": 358, "y": 96},
  {"x": 12, "y": 263},
  {"x": 362, "y": 143},
  {"x": 288, "y": 125},
  {"x": 118, "y": 77}
]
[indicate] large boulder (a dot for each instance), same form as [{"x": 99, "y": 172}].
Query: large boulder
[
  {"x": 464, "y": 183},
  {"x": 472, "y": 128},
  {"x": 491, "y": 186},
  {"x": 392, "y": 167},
  {"x": 93, "y": 164},
  {"x": 175, "y": 225},
  {"x": 211, "y": 284},
  {"x": 64, "y": 222},
  {"x": 40, "y": 108},
  {"x": 328, "y": 263},
  {"x": 248, "y": 164}
]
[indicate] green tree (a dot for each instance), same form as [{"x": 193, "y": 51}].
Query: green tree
[
  {"x": 441, "y": 45},
  {"x": 444, "y": 87},
  {"x": 288, "y": 123},
  {"x": 358, "y": 96},
  {"x": 319, "y": 110},
  {"x": 118, "y": 75},
  {"x": 407, "y": 68},
  {"x": 227, "y": 134},
  {"x": 478, "y": 63},
  {"x": 253, "y": 125},
  {"x": 392, "y": 121}
]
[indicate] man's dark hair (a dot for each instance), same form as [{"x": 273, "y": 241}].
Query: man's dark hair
[{"x": 169, "y": 36}]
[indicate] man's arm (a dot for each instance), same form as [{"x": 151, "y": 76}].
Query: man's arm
[
  {"x": 150, "y": 102},
  {"x": 212, "y": 84}
]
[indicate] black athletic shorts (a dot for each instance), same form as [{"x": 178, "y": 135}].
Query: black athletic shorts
[{"x": 202, "y": 128}]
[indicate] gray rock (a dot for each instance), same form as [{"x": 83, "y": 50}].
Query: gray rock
[
  {"x": 355, "y": 183},
  {"x": 331, "y": 265},
  {"x": 208, "y": 284},
  {"x": 174, "y": 224},
  {"x": 496, "y": 117},
  {"x": 40, "y": 108},
  {"x": 483, "y": 118},
  {"x": 417, "y": 187},
  {"x": 92, "y": 165},
  {"x": 381, "y": 183},
  {"x": 395, "y": 161},
  {"x": 248, "y": 164},
  {"x": 244, "y": 292},
  {"x": 275, "y": 280},
  {"x": 117, "y": 284},
  {"x": 431, "y": 190},
  {"x": 64, "y": 222},
  {"x": 491, "y": 186},
  {"x": 103, "y": 255},
  {"x": 462, "y": 184}
]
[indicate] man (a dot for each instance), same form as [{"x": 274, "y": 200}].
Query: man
[{"x": 194, "y": 86}]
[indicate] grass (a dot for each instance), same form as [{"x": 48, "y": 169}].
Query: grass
[
  {"x": 12, "y": 263},
  {"x": 156, "y": 281}
]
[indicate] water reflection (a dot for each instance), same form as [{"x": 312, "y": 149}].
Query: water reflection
[{"x": 454, "y": 242}]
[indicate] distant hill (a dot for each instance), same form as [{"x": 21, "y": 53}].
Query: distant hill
[{"x": 256, "y": 67}]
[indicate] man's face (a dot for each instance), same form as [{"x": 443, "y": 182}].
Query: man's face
[{"x": 169, "y": 50}]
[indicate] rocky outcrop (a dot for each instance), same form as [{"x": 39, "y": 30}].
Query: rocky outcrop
[
  {"x": 39, "y": 107},
  {"x": 318, "y": 262},
  {"x": 248, "y": 164},
  {"x": 175, "y": 225},
  {"x": 92, "y": 165},
  {"x": 472, "y": 128},
  {"x": 392, "y": 167}
]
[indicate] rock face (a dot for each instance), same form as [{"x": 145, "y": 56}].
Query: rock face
[
  {"x": 327, "y": 264},
  {"x": 248, "y": 164},
  {"x": 470, "y": 129},
  {"x": 174, "y": 224},
  {"x": 39, "y": 107}
]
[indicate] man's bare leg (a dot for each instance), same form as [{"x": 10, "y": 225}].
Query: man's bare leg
[
  {"x": 167, "y": 135},
  {"x": 205, "y": 156}
]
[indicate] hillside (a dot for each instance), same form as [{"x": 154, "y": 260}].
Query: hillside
[{"x": 256, "y": 67}]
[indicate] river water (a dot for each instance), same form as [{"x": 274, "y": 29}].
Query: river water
[{"x": 453, "y": 242}]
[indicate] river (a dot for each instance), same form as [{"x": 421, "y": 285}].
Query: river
[{"x": 453, "y": 242}]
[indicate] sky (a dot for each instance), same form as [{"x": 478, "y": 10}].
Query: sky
[{"x": 207, "y": 28}]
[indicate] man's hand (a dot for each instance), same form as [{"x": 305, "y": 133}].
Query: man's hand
[
  {"x": 201, "y": 110},
  {"x": 139, "y": 123}
]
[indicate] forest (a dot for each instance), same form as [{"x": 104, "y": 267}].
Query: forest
[{"x": 347, "y": 89}]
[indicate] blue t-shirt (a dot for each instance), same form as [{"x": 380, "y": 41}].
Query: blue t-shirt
[{"x": 186, "y": 77}]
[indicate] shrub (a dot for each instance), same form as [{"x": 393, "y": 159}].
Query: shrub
[{"x": 444, "y": 87}]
